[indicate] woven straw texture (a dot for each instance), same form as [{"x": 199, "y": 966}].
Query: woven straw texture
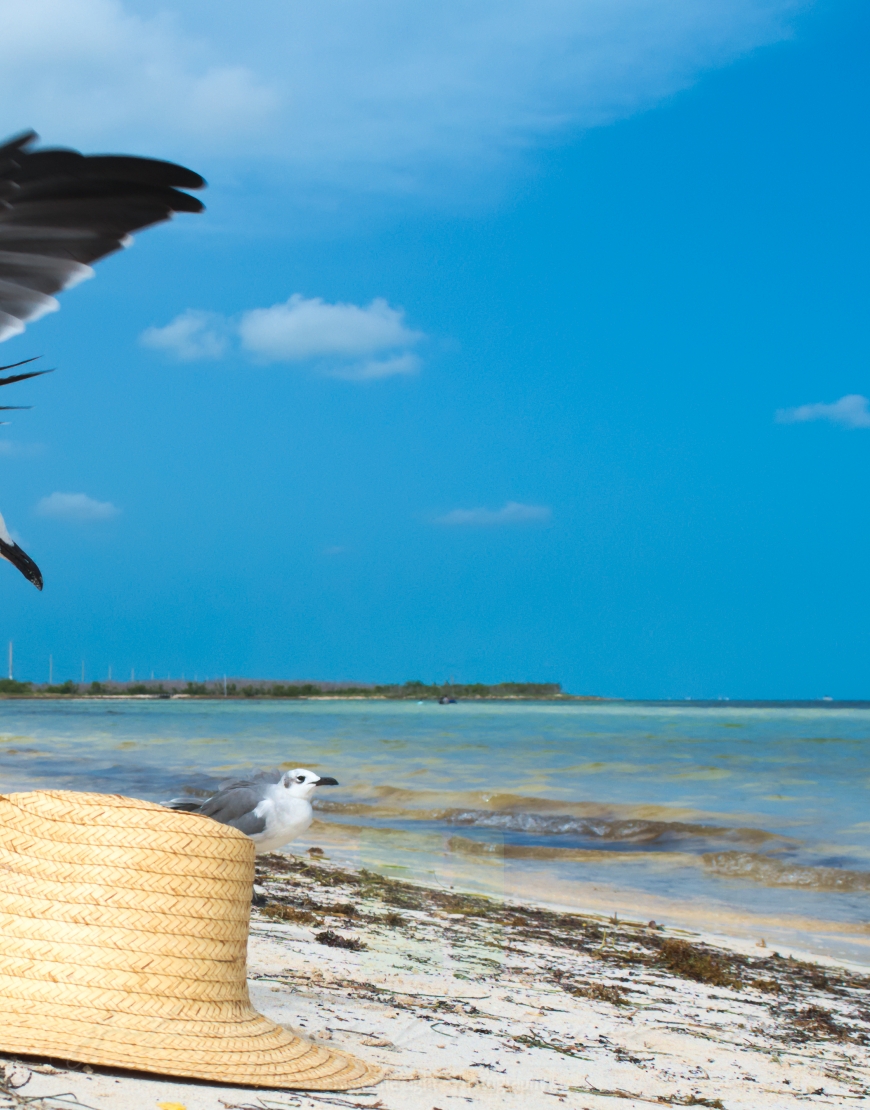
[{"x": 123, "y": 938}]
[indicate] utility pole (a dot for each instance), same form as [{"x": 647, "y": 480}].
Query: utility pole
[
  {"x": 10, "y": 659},
  {"x": 50, "y": 669},
  {"x": 225, "y": 685},
  {"x": 83, "y": 672}
]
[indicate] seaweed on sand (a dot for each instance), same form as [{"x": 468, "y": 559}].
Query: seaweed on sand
[
  {"x": 336, "y": 940},
  {"x": 522, "y": 931},
  {"x": 815, "y": 1021},
  {"x": 279, "y": 912},
  {"x": 691, "y": 961},
  {"x": 673, "y": 1100}
]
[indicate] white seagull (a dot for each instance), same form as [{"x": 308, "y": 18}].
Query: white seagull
[
  {"x": 272, "y": 808},
  {"x": 60, "y": 211}
]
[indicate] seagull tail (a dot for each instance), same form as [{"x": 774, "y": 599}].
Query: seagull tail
[{"x": 186, "y": 805}]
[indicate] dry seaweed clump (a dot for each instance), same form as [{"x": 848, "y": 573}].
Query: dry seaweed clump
[
  {"x": 336, "y": 940},
  {"x": 815, "y": 1022},
  {"x": 613, "y": 993},
  {"x": 279, "y": 912},
  {"x": 693, "y": 961}
]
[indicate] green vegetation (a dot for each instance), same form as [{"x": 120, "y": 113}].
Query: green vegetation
[
  {"x": 67, "y": 687},
  {"x": 413, "y": 690},
  {"x": 10, "y": 686}
]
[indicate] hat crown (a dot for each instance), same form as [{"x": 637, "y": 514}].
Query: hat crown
[{"x": 123, "y": 938}]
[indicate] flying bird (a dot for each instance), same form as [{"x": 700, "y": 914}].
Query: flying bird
[
  {"x": 60, "y": 211},
  {"x": 272, "y": 808}
]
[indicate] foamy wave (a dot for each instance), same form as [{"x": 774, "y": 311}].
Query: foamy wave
[
  {"x": 774, "y": 872},
  {"x": 539, "y": 820}
]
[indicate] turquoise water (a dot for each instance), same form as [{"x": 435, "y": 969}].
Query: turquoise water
[{"x": 752, "y": 820}]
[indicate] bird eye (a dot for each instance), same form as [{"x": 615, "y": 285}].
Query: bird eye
[{"x": 300, "y": 778}]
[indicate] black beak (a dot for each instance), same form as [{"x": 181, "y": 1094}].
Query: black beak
[
  {"x": 326, "y": 781},
  {"x": 22, "y": 560}
]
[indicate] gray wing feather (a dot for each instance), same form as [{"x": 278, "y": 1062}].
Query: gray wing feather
[
  {"x": 255, "y": 781},
  {"x": 272, "y": 776},
  {"x": 249, "y": 824},
  {"x": 235, "y": 806}
]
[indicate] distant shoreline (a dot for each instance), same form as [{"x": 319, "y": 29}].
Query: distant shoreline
[
  {"x": 270, "y": 689},
  {"x": 263, "y": 690}
]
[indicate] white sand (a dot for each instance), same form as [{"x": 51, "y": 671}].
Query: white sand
[{"x": 468, "y": 1010}]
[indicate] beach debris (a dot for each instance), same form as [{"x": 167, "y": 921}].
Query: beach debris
[
  {"x": 291, "y": 914},
  {"x": 692, "y": 961},
  {"x": 770, "y": 1006},
  {"x": 336, "y": 940},
  {"x": 599, "y": 992},
  {"x": 15, "y": 1076},
  {"x": 674, "y": 1100}
]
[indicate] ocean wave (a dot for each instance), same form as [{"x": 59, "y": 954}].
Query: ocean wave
[
  {"x": 496, "y": 850},
  {"x": 494, "y": 801},
  {"x": 743, "y": 866},
  {"x": 775, "y": 872},
  {"x": 601, "y": 825},
  {"x": 613, "y": 829}
]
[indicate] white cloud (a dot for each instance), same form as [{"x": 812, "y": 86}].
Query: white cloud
[
  {"x": 75, "y": 506},
  {"x": 11, "y": 450},
  {"x": 369, "y": 371},
  {"x": 339, "y": 340},
  {"x": 190, "y": 336},
  {"x": 365, "y": 92},
  {"x": 100, "y": 73},
  {"x": 852, "y": 411},
  {"x": 511, "y": 513},
  {"x": 307, "y": 327}
]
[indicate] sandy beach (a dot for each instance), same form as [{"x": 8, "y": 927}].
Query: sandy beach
[{"x": 463, "y": 1000}]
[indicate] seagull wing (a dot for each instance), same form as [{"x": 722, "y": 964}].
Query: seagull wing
[
  {"x": 60, "y": 211},
  {"x": 235, "y": 806}
]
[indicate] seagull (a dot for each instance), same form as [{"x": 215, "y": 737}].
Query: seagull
[
  {"x": 272, "y": 808},
  {"x": 59, "y": 212}
]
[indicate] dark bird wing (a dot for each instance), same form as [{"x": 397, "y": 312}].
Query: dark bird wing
[
  {"x": 60, "y": 211},
  {"x": 10, "y": 551},
  {"x": 185, "y": 805},
  {"x": 22, "y": 377}
]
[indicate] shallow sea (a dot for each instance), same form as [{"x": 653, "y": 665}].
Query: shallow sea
[{"x": 744, "y": 821}]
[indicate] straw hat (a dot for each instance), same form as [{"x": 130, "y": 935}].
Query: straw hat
[{"x": 123, "y": 934}]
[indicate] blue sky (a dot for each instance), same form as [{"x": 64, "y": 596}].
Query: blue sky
[{"x": 519, "y": 341}]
